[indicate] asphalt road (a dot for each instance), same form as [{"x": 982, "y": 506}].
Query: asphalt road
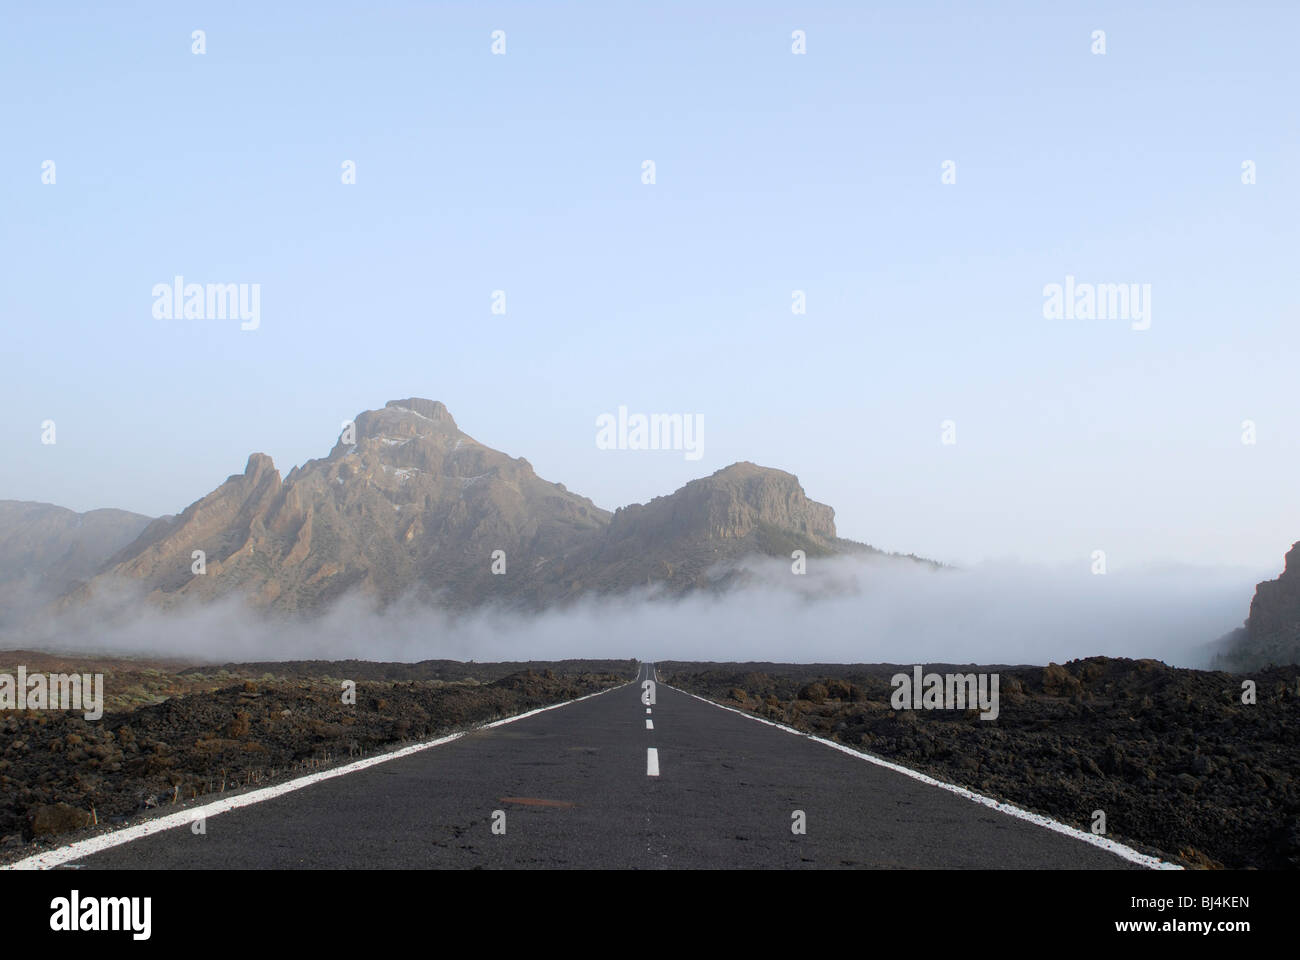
[{"x": 574, "y": 786}]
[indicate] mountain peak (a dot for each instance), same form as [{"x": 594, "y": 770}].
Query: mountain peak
[
  {"x": 408, "y": 505},
  {"x": 258, "y": 463},
  {"x": 733, "y": 503},
  {"x": 745, "y": 470},
  {"x": 433, "y": 410},
  {"x": 400, "y": 421},
  {"x": 1291, "y": 562}
]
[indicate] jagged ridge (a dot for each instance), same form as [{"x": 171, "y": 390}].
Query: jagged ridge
[{"x": 408, "y": 504}]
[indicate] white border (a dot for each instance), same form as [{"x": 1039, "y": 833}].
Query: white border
[
  {"x": 1105, "y": 843},
  {"x": 106, "y": 841}
]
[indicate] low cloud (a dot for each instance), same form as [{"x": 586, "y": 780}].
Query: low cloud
[{"x": 843, "y": 610}]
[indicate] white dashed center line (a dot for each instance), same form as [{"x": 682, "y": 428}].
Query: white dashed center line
[
  {"x": 652, "y": 762},
  {"x": 649, "y": 724}
]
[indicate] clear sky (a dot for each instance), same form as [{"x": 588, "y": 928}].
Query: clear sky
[{"x": 775, "y": 172}]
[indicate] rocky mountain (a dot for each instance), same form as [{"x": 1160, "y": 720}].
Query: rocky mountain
[
  {"x": 692, "y": 538},
  {"x": 1271, "y": 634},
  {"x": 406, "y": 505},
  {"x": 45, "y": 550}
]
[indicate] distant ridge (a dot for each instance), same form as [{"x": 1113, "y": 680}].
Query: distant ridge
[
  {"x": 409, "y": 506},
  {"x": 46, "y": 550}
]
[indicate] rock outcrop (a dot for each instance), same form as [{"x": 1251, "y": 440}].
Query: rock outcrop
[
  {"x": 693, "y": 538},
  {"x": 404, "y": 503},
  {"x": 1271, "y": 634},
  {"x": 407, "y": 506}
]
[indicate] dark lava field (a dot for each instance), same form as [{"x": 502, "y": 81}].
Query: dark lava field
[
  {"x": 172, "y": 733},
  {"x": 1173, "y": 757}
]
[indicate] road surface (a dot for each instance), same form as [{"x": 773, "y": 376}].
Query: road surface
[{"x": 608, "y": 782}]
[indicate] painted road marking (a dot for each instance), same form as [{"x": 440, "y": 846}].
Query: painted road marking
[
  {"x": 1105, "y": 843},
  {"x": 647, "y": 709},
  {"x": 652, "y": 762},
  {"x": 105, "y": 841},
  {"x": 649, "y": 724}
]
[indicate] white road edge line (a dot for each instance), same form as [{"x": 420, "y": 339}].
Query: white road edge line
[
  {"x": 1105, "y": 843},
  {"x": 651, "y": 762},
  {"x": 106, "y": 841}
]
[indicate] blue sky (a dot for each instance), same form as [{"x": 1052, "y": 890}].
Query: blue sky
[{"x": 774, "y": 172}]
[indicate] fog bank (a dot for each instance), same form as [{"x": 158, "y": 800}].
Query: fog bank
[{"x": 843, "y": 610}]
